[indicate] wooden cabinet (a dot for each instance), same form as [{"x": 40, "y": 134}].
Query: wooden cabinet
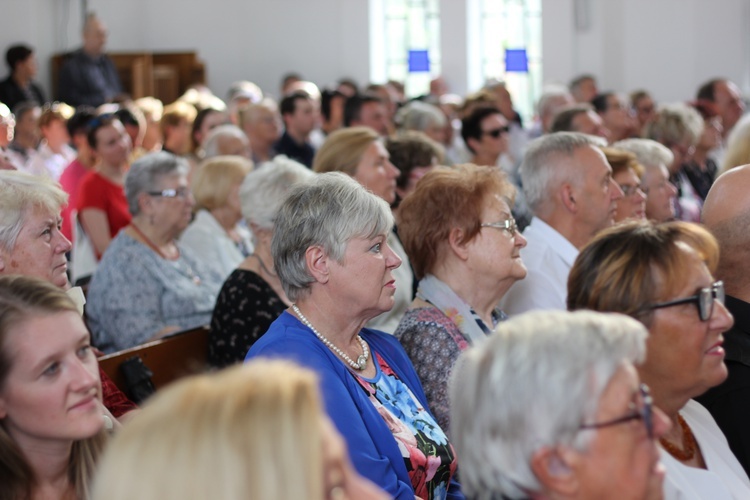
[{"x": 164, "y": 75}]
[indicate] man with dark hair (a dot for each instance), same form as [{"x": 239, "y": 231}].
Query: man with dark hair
[
  {"x": 615, "y": 115},
  {"x": 88, "y": 76},
  {"x": 366, "y": 111},
  {"x": 299, "y": 115},
  {"x": 19, "y": 86},
  {"x": 332, "y": 110},
  {"x": 725, "y": 95},
  {"x": 485, "y": 132},
  {"x": 580, "y": 118}
]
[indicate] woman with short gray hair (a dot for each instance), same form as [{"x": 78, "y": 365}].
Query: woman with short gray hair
[
  {"x": 550, "y": 407},
  {"x": 252, "y": 296},
  {"x": 147, "y": 285},
  {"x": 331, "y": 253}
]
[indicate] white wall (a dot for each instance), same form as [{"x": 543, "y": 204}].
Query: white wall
[
  {"x": 669, "y": 47},
  {"x": 666, "y": 46}
]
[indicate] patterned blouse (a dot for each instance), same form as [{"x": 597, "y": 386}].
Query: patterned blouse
[
  {"x": 433, "y": 343},
  {"x": 244, "y": 311},
  {"x": 428, "y": 456}
]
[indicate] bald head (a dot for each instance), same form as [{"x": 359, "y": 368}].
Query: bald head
[
  {"x": 726, "y": 213},
  {"x": 94, "y": 36}
]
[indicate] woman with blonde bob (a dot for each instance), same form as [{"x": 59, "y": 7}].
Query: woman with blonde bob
[
  {"x": 550, "y": 407},
  {"x": 255, "y": 431},
  {"x": 51, "y": 422},
  {"x": 662, "y": 275},
  {"x": 360, "y": 153},
  {"x": 215, "y": 235}
]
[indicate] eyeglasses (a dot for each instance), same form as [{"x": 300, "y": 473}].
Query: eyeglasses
[
  {"x": 507, "y": 225},
  {"x": 629, "y": 190},
  {"x": 171, "y": 193},
  {"x": 704, "y": 299},
  {"x": 644, "y": 413},
  {"x": 495, "y": 133}
]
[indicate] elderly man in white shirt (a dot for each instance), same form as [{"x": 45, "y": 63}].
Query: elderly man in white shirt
[{"x": 568, "y": 185}]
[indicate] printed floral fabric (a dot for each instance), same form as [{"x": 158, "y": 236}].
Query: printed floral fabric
[{"x": 428, "y": 456}]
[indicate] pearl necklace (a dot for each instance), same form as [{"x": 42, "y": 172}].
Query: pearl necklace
[{"x": 361, "y": 362}]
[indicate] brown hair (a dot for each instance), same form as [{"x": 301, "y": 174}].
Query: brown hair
[
  {"x": 22, "y": 297},
  {"x": 412, "y": 149},
  {"x": 627, "y": 267},
  {"x": 447, "y": 198}
]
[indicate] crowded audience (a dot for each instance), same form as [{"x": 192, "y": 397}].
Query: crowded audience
[{"x": 392, "y": 249}]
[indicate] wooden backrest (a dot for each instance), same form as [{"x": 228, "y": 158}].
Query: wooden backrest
[{"x": 183, "y": 353}]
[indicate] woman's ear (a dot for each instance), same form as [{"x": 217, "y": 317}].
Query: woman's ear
[
  {"x": 317, "y": 263},
  {"x": 456, "y": 243},
  {"x": 555, "y": 469}
]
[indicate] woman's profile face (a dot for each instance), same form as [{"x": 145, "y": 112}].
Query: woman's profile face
[
  {"x": 52, "y": 391},
  {"x": 683, "y": 351},
  {"x": 340, "y": 480},
  {"x": 376, "y": 173},
  {"x": 173, "y": 212}
]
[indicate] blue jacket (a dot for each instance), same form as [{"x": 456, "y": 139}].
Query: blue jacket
[{"x": 372, "y": 447}]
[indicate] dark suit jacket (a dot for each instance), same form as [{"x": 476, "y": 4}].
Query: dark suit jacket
[
  {"x": 729, "y": 403},
  {"x": 11, "y": 94}
]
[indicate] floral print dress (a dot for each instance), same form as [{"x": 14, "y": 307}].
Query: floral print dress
[{"x": 428, "y": 456}]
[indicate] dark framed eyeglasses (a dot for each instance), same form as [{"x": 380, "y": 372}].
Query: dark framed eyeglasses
[
  {"x": 704, "y": 300},
  {"x": 495, "y": 133},
  {"x": 171, "y": 193},
  {"x": 506, "y": 225},
  {"x": 645, "y": 413}
]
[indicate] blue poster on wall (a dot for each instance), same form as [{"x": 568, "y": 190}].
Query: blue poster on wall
[
  {"x": 419, "y": 61},
  {"x": 516, "y": 61}
]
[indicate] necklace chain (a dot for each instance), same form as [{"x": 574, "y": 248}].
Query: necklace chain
[
  {"x": 263, "y": 266},
  {"x": 688, "y": 442},
  {"x": 188, "y": 270},
  {"x": 361, "y": 362}
]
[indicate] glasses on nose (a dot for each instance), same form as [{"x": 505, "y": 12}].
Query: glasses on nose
[
  {"x": 645, "y": 413},
  {"x": 704, "y": 300},
  {"x": 506, "y": 225},
  {"x": 171, "y": 193},
  {"x": 495, "y": 133},
  {"x": 629, "y": 190}
]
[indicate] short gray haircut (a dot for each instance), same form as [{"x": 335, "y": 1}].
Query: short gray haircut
[
  {"x": 648, "y": 152},
  {"x": 541, "y": 171},
  {"x": 550, "y": 96},
  {"x": 675, "y": 123},
  {"x": 419, "y": 116},
  {"x": 21, "y": 192},
  {"x": 146, "y": 173},
  {"x": 265, "y": 189},
  {"x": 553, "y": 366},
  {"x": 214, "y": 137},
  {"x": 328, "y": 211}
]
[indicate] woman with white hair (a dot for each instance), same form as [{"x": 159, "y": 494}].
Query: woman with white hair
[
  {"x": 661, "y": 195},
  {"x": 551, "y": 407},
  {"x": 679, "y": 127},
  {"x": 422, "y": 117},
  {"x": 331, "y": 253},
  {"x": 148, "y": 285},
  {"x": 252, "y": 296}
]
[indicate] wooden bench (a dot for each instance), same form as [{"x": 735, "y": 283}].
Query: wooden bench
[{"x": 180, "y": 354}]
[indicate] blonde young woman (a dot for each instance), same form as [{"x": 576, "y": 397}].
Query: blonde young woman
[
  {"x": 51, "y": 423},
  {"x": 255, "y": 431}
]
